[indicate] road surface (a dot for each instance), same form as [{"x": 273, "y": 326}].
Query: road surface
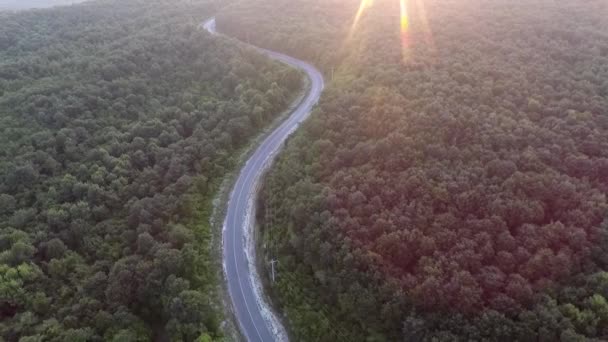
[{"x": 256, "y": 321}]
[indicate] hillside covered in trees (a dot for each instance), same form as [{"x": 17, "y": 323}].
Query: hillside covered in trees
[
  {"x": 118, "y": 120},
  {"x": 452, "y": 184}
]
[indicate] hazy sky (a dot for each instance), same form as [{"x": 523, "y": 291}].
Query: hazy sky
[{"x": 24, "y": 4}]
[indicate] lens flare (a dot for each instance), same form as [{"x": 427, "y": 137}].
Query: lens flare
[
  {"x": 405, "y": 29},
  {"x": 405, "y": 22},
  {"x": 407, "y": 9},
  {"x": 424, "y": 21},
  {"x": 365, "y": 4}
]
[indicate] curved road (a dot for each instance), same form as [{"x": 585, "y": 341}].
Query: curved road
[{"x": 254, "y": 317}]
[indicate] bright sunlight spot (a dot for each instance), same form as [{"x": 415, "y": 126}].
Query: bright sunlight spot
[
  {"x": 365, "y": 4},
  {"x": 405, "y": 24}
]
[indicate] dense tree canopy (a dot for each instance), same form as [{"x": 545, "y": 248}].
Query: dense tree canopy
[
  {"x": 452, "y": 184},
  {"x": 117, "y": 121}
]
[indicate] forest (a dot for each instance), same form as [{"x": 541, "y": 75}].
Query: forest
[
  {"x": 451, "y": 185},
  {"x": 118, "y": 121}
]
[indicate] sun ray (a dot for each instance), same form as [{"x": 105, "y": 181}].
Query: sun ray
[
  {"x": 424, "y": 22},
  {"x": 365, "y": 4},
  {"x": 405, "y": 22},
  {"x": 405, "y": 29}
]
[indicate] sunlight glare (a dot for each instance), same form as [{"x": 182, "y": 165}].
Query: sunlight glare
[
  {"x": 404, "y": 17},
  {"x": 405, "y": 25},
  {"x": 426, "y": 28},
  {"x": 365, "y": 4}
]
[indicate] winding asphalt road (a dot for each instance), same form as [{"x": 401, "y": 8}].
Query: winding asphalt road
[{"x": 250, "y": 310}]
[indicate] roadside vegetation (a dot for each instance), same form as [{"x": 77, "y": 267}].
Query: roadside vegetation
[
  {"x": 452, "y": 183},
  {"x": 118, "y": 120}
]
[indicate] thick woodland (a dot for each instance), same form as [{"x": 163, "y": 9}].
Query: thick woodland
[
  {"x": 452, "y": 183},
  {"x": 118, "y": 120}
]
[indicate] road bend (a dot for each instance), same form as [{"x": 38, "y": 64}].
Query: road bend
[{"x": 254, "y": 316}]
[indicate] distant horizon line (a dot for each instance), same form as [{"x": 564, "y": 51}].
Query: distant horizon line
[{"x": 20, "y": 5}]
